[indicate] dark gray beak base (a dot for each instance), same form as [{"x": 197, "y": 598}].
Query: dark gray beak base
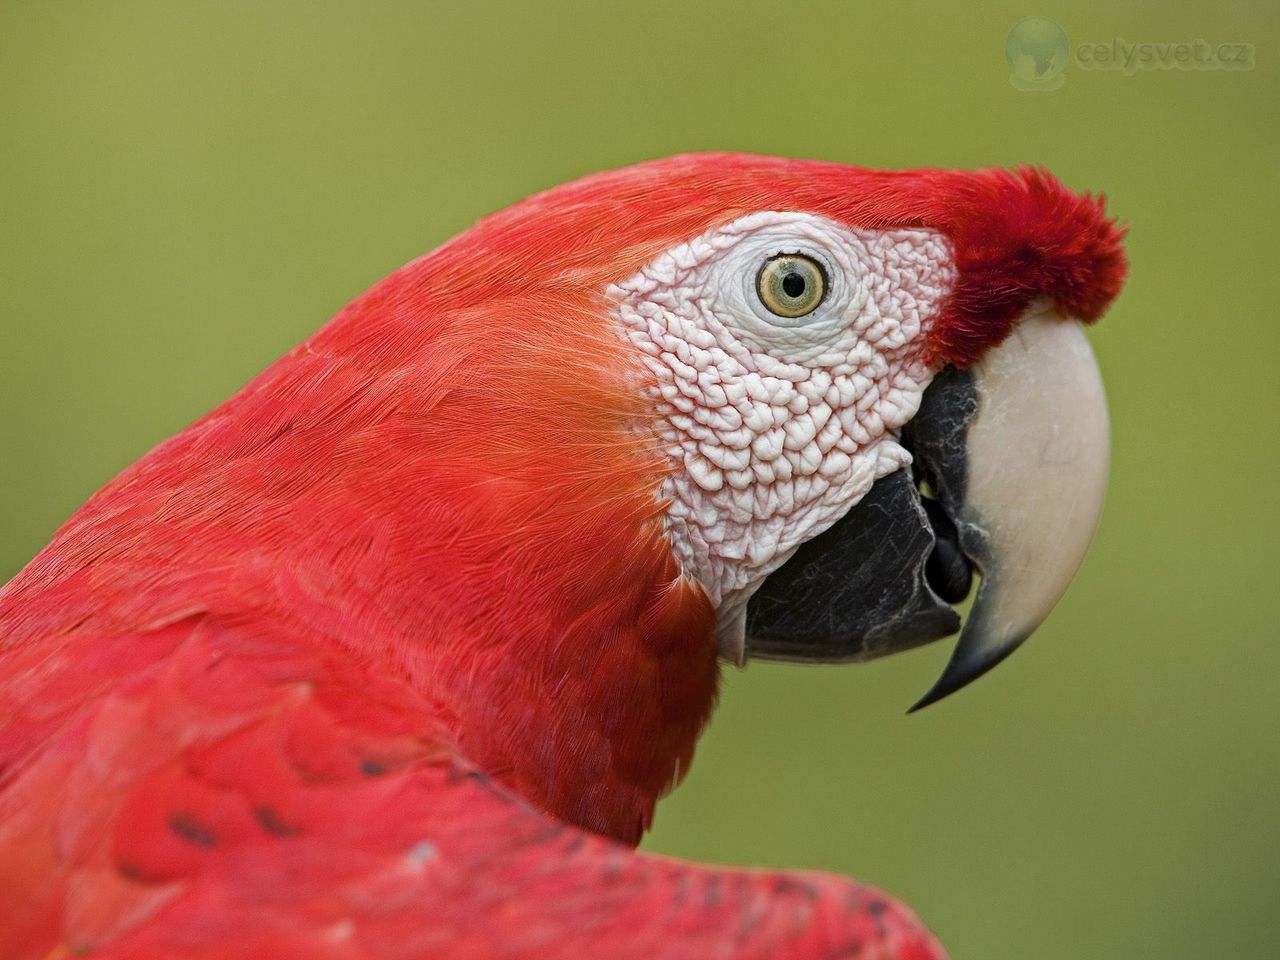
[{"x": 883, "y": 577}]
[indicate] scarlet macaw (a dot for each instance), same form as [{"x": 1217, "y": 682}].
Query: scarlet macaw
[{"x": 390, "y": 656}]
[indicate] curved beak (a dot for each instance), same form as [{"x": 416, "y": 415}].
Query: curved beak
[{"x": 1010, "y": 471}]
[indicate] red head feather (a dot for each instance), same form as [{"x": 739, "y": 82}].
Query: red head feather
[{"x": 1017, "y": 234}]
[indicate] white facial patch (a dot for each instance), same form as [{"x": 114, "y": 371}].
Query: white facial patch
[{"x": 778, "y": 426}]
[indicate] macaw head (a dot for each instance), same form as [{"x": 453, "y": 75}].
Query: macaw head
[
  {"x": 872, "y": 386},
  {"x": 866, "y": 388}
]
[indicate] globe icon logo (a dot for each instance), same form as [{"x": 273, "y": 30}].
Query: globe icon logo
[{"x": 1036, "y": 50}]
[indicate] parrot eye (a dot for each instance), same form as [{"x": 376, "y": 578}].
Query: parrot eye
[{"x": 791, "y": 285}]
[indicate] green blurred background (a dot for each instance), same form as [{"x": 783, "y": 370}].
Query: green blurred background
[{"x": 187, "y": 189}]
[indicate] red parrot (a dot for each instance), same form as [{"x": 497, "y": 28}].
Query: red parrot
[{"x": 390, "y": 656}]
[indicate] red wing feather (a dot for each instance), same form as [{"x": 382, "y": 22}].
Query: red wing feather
[{"x": 226, "y": 802}]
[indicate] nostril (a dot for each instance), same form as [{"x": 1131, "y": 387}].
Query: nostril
[{"x": 948, "y": 571}]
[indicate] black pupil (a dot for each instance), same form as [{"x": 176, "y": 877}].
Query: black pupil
[{"x": 793, "y": 285}]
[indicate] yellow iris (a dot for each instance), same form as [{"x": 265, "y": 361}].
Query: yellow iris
[{"x": 791, "y": 285}]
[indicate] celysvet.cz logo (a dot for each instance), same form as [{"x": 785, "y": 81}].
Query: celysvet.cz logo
[
  {"x": 1038, "y": 52},
  {"x": 1129, "y": 58}
]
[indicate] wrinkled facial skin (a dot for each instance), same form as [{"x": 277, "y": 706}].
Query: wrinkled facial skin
[{"x": 776, "y": 427}]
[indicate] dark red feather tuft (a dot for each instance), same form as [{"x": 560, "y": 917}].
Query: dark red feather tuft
[{"x": 1017, "y": 236}]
